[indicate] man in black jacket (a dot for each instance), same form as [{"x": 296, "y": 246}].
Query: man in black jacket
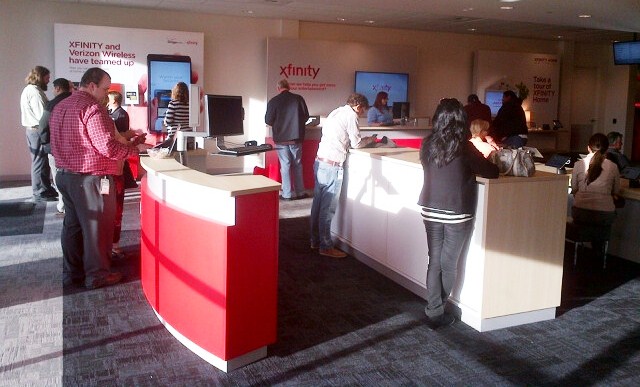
[
  {"x": 287, "y": 114},
  {"x": 61, "y": 89},
  {"x": 509, "y": 128}
]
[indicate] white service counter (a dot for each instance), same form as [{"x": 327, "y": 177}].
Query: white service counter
[{"x": 512, "y": 273}]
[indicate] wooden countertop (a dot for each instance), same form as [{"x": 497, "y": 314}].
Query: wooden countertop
[
  {"x": 231, "y": 184},
  {"x": 411, "y": 158}
]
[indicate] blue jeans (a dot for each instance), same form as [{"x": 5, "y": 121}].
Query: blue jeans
[
  {"x": 446, "y": 243},
  {"x": 328, "y": 179},
  {"x": 290, "y": 157}
]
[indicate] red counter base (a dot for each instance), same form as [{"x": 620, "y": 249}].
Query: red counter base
[{"x": 213, "y": 285}]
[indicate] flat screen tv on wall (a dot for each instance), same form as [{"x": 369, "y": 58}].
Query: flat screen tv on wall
[
  {"x": 370, "y": 83},
  {"x": 626, "y": 53}
]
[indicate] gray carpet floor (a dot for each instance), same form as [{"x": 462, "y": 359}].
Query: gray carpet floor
[{"x": 339, "y": 323}]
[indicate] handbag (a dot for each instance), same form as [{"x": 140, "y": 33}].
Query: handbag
[{"x": 514, "y": 162}]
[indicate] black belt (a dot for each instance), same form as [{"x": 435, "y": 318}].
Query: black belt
[
  {"x": 330, "y": 162},
  {"x": 71, "y": 172}
]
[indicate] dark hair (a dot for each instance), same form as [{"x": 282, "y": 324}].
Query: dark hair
[
  {"x": 356, "y": 99},
  {"x": 449, "y": 133},
  {"x": 473, "y": 98},
  {"x": 598, "y": 143},
  {"x": 62, "y": 83},
  {"x": 378, "y": 102},
  {"x": 93, "y": 75}
]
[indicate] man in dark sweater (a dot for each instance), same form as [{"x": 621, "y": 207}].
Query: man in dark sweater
[
  {"x": 509, "y": 128},
  {"x": 61, "y": 89},
  {"x": 287, "y": 114}
]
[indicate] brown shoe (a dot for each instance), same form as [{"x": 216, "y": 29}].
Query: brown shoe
[
  {"x": 108, "y": 280},
  {"x": 333, "y": 253}
]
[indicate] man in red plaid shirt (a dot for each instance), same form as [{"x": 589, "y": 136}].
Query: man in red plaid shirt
[{"x": 86, "y": 151}]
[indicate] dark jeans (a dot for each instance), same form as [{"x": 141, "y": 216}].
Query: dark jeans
[
  {"x": 445, "y": 242},
  {"x": 87, "y": 229},
  {"x": 325, "y": 200},
  {"x": 40, "y": 170}
]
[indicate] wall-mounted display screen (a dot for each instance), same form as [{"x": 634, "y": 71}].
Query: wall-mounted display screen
[
  {"x": 493, "y": 98},
  {"x": 224, "y": 115},
  {"x": 164, "y": 71},
  {"x": 626, "y": 53},
  {"x": 371, "y": 83}
]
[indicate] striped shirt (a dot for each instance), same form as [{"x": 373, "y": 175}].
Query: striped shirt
[
  {"x": 177, "y": 114},
  {"x": 83, "y": 137},
  {"x": 444, "y": 216}
]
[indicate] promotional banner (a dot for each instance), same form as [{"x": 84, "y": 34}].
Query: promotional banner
[
  {"x": 323, "y": 72},
  {"x": 535, "y": 75},
  {"x": 122, "y": 52}
]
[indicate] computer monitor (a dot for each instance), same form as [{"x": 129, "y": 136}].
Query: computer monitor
[
  {"x": 223, "y": 115},
  {"x": 370, "y": 83},
  {"x": 493, "y": 98},
  {"x": 400, "y": 109}
]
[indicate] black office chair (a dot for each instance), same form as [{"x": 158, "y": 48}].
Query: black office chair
[{"x": 598, "y": 235}]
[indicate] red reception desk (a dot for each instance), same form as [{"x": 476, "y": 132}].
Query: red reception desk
[{"x": 209, "y": 259}]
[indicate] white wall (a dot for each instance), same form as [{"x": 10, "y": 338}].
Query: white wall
[{"x": 235, "y": 60}]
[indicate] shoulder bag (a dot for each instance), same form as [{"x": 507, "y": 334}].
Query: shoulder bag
[{"x": 514, "y": 162}]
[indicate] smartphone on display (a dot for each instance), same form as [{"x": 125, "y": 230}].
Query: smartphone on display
[{"x": 164, "y": 71}]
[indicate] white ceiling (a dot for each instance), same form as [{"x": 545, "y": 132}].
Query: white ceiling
[{"x": 539, "y": 19}]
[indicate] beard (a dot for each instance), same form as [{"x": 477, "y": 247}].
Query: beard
[{"x": 43, "y": 86}]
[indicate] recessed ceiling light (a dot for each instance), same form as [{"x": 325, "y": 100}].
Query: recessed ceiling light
[
  {"x": 584, "y": 16},
  {"x": 559, "y": 36},
  {"x": 509, "y": 1},
  {"x": 467, "y": 9},
  {"x": 471, "y": 29},
  {"x": 341, "y": 19},
  {"x": 249, "y": 12},
  {"x": 369, "y": 21},
  {"x": 506, "y": 7}
]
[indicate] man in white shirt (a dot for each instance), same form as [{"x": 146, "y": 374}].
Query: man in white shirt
[
  {"x": 32, "y": 103},
  {"x": 340, "y": 132}
]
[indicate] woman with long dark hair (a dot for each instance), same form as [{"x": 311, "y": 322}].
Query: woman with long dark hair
[
  {"x": 595, "y": 182},
  {"x": 448, "y": 199},
  {"x": 379, "y": 114}
]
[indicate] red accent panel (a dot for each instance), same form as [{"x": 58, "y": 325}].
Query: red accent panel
[
  {"x": 408, "y": 142},
  {"x": 309, "y": 151},
  {"x": 215, "y": 284}
]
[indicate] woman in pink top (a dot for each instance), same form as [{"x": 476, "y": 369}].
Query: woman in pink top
[{"x": 485, "y": 144}]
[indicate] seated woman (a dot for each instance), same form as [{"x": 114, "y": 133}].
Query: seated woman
[
  {"x": 595, "y": 181},
  {"x": 379, "y": 114},
  {"x": 479, "y": 138}
]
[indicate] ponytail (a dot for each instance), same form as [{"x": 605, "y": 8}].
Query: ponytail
[
  {"x": 595, "y": 167},
  {"x": 598, "y": 144}
]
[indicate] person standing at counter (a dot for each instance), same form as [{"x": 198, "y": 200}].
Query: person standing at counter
[
  {"x": 287, "y": 114},
  {"x": 509, "y": 128},
  {"x": 177, "y": 114},
  {"x": 595, "y": 183},
  {"x": 450, "y": 163},
  {"x": 379, "y": 114},
  {"x": 476, "y": 110},
  {"x": 339, "y": 132},
  {"x": 86, "y": 151}
]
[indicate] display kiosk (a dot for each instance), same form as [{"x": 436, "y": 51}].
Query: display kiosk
[{"x": 209, "y": 259}]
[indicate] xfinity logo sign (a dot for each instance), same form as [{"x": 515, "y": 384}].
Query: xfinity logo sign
[{"x": 299, "y": 71}]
